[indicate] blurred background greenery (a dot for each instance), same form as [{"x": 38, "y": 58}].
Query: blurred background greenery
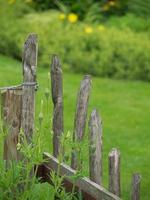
[
  {"x": 108, "y": 38},
  {"x": 104, "y": 38}
]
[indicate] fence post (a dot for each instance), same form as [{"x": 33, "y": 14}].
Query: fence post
[
  {"x": 95, "y": 147},
  {"x": 80, "y": 117},
  {"x": 57, "y": 98},
  {"x": 11, "y": 116},
  {"x": 135, "y": 193},
  {"x": 29, "y": 83},
  {"x": 114, "y": 172}
]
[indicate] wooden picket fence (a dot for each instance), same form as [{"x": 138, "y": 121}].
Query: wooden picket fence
[{"x": 18, "y": 104}]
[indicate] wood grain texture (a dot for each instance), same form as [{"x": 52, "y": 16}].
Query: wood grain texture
[
  {"x": 80, "y": 116},
  {"x": 89, "y": 189},
  {"x": 135, "y": 193},
  {"x": 95, "y": 147},
  {"x": 29, "y": 76},
  {"x": 11, "y": 116},
  {"x": 114, "y": 172},
  {"x": 57, "y": 98}
]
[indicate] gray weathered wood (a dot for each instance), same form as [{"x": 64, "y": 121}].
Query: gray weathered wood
[
  {"x": 85, "y": 185},
  {"x": 11, "y": 116},
  {"x": 29, "y": 79},
  {"x": 114, "y": 172},
  {"x": 57, "y": 97},
  {"x": 80, "y": 117},
  {"x": 135, "y": 193},
  {"x": 95, "y": 147}
]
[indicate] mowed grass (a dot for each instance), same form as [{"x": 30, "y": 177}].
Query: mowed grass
[{"x": 125, "y": 110}]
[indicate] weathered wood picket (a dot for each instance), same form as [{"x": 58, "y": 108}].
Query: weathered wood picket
[
  {"x": 57, "y": 98},
  {"x": 18, "y": 112},
  {"x": 19, "y": 102}
]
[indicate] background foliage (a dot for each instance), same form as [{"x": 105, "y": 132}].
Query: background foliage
[
  {"x": 106, "y": 7},
  {"x": 118, "y": 48}
]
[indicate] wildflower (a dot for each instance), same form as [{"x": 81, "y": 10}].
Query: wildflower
[
  {"x": 18, "y": 146},
  {"x": 47, "y": 93},
  {"x": 42, "y": 104},
  {"x": 62, "y": 16},
  {"x": 72, "y": 18},
  {"x": 41, "y": 113},
  {"x": 52, "y": 132},
  {"x": 68, "y": 135},
  {"x": 41, "y": 118},
  {"x": 105, "y": 7},
  {"x": 48, "y": 74},
  {"x": 21, "y": 135},
  {"x": 101, "y": 28},
  {"x": 88, "y": 30}
]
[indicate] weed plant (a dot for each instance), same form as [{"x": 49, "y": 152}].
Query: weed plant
[{"x": 18, "y": 179}]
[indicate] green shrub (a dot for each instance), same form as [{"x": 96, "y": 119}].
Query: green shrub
[
  {"x": 131, "y": 21},
  {"x": 14, "y": 8},
  {"x": 139, "y": 8},
  {"x": 95, "y": 49},
  {"x": 80, "y": 7},
  {"x": 83, "y": 8},
  {"x": 11, "y": 27}
]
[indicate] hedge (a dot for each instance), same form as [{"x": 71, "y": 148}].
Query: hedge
[{"x": 96, "y": 49}]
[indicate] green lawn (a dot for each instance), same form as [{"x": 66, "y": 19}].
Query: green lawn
[{"x": 124, "y": 107}]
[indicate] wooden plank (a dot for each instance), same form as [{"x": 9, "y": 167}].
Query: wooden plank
[
  {"x": 29, "y": 83},
  {"x": 89, "y": 189},
  {"x": 80, "y": 117},
  {"x": 114, "y": 172},
  {"x": 57, "y": 98},
  {"x": 95, "y": 147},
  {"x": 135, "y": 193},
  {"x": 11, "y": 116}
]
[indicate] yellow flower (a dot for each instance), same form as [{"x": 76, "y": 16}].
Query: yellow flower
[
  {"x": 105, "y": 7},
  {"x": 18, "y": 146},
  {"x": 101, "y": 28},
  {"x": 11, "y": 1},
  {"x": 68, "y": 135},
  {"x": 62, "y": 16},
  {"x": 112, "y": 3},
  {"x": 72, "y": 18},
  {"x": 88, "y": 29}
]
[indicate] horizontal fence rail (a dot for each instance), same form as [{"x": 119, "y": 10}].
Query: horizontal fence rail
[{"x": 89, "y": 189}]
